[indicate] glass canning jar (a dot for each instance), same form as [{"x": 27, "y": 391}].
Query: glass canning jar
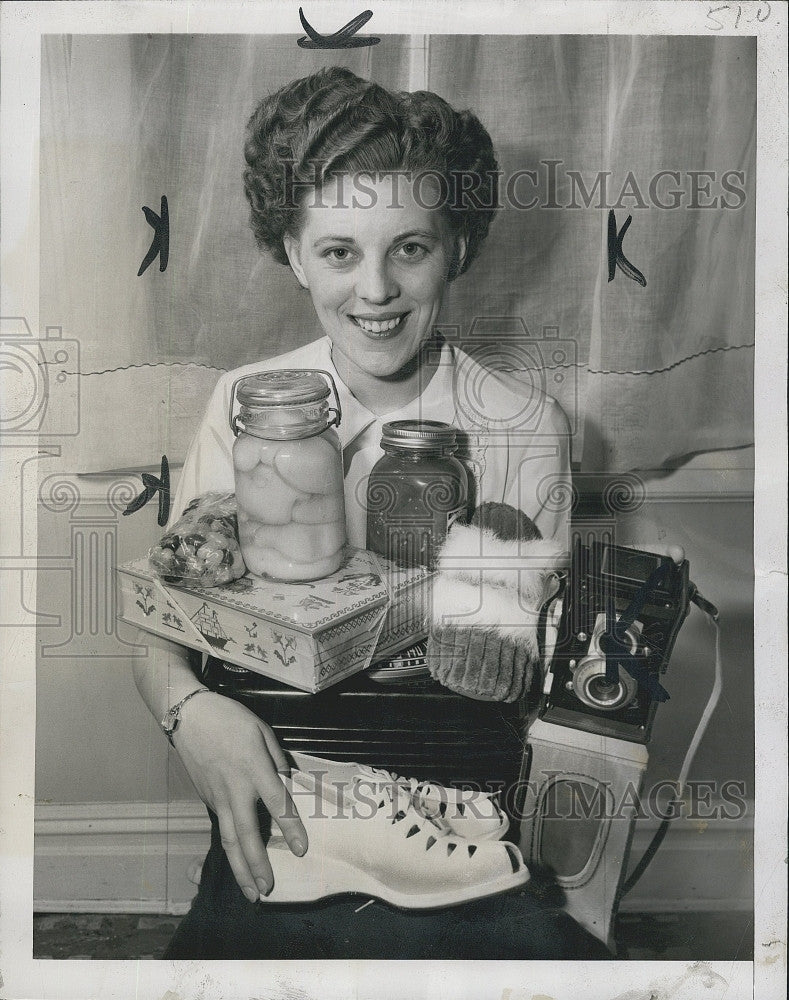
[
  {"x": 415, "y": 491},
  {"x": 287, "y": 461}
]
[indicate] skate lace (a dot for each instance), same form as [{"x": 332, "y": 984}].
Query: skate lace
[
  {"x": 398, "y": 799},
  {"x": 418, "y": 793},
  {"x": 413, "y": 822}
]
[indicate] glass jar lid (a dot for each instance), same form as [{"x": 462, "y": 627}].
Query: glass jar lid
[
  {"x": 288, "y": 387},
  {"x": 419, "y": 435}
]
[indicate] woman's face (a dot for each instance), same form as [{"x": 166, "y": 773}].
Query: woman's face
[{"x": 376, "y": 264}]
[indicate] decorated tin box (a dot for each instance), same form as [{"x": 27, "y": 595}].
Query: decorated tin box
[{"x": 307, "y": 635}]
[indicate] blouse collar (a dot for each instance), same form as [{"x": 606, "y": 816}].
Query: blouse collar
[{"x": 436, "y": 401}]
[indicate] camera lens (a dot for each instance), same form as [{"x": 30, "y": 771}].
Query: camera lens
[
  {"x": 593, "y": 689},
  {"x": 603, "y": 693}
]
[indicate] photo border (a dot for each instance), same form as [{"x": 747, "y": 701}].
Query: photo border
[{"x": 21, "y": 27}]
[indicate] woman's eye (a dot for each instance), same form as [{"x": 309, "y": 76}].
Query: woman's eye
[
  {"x": 412, "y": 251},
  {"x": 339, "y": 255}
]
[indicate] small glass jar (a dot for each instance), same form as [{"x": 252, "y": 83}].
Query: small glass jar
[
  {"x": 287, "y": 460},
  {"x": 415, "y": 491}
]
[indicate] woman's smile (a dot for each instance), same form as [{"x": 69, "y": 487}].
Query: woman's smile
[{"x": 380, "y": 327}]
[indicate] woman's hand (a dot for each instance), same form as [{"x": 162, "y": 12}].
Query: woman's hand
[{"x": 233, "y": 759}]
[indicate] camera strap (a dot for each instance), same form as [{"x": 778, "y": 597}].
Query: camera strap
[{"x": 615, "y": 640}]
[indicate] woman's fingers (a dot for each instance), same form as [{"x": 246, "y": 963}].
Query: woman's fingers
[
  {"x": 274, "y": 749},
  {"x": 283, "y": 812},
  {"x": 277, "y": 799},
  {"x": 247, "y": 824},
  {"x": 240, "y": 834}
]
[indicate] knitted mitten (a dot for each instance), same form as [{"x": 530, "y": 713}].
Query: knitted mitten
[{"x": 493, "y": 578}]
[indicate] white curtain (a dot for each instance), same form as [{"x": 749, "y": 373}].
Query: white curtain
[{"x": 647, "y": 375}]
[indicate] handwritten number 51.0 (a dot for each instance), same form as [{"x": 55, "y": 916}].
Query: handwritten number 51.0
[{"x": 761, "y": 15}]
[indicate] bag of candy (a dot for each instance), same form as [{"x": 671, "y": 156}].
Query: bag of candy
[{"x": 201, "y": 548}]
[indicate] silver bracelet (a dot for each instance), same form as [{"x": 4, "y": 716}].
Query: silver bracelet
[{"x": 172, "y": 719}]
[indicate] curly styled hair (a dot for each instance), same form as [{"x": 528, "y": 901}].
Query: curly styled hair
[{"x": 333, "y": 122}]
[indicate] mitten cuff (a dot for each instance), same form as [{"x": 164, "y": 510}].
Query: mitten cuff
[
  {"x": 488, "y": 583},
  {"x": 476, "y": 663}
]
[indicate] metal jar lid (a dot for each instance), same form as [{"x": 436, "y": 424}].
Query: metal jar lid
[
  {"x": 288, "y": 387},
  {"x": 419, "y": 435}
]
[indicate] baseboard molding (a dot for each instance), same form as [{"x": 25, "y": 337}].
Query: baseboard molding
[
  {"x": 142, "y": 857},
  {"x": 117, "y": 857}
]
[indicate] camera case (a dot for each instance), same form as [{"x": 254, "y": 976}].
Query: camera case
[{"x": 615, "y": 623}]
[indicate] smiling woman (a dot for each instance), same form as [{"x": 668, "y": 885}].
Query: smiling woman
[
  {"x": 377, "y": 277},
  {"x": 356, "y": 189},
  {"x": 366, "y": 194}
]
